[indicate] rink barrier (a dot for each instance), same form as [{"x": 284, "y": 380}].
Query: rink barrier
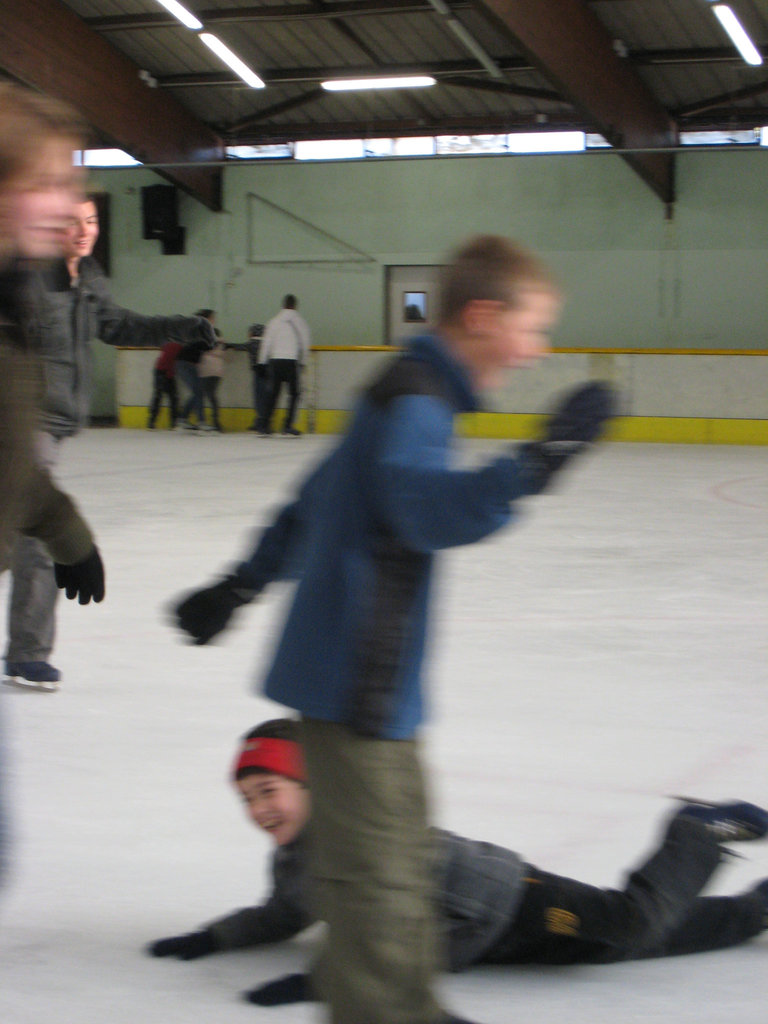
[{"x": 673, "y": 396}]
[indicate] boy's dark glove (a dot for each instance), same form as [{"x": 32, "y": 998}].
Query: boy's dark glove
[
  {"x": 185, "y": 947},
  {"x": 292, "y": 988},
  {"x": 580, "y": 420},
  {"x": 83, "y": 580},
  {"x": 204, "y": 613}
]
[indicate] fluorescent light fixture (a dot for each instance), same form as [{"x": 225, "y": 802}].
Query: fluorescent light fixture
[
  {"x": 185, "y": 17},
  {"x": 739, "y": 37},
  {"x": 231, "y": 60},
  {"x": 412, "y": 82}
]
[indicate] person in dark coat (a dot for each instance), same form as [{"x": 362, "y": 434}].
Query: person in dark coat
[
  {"x": 494, "y": 906},
  {"x": 70, "y": 305},
  {"x": 37, "y": 139}
]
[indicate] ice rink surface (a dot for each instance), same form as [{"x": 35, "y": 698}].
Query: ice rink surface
[{"x": 606, "y": 651}]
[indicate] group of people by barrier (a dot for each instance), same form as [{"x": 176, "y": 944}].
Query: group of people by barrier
[{"x": 277, "y": 355}]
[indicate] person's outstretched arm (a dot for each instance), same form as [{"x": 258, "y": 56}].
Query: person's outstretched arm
[
  {"x": 120, "y": 326},
  {"x": 278, "y": 554},
  {"x": 31, "y": 503},
  {"x": 432, "y": 505}
]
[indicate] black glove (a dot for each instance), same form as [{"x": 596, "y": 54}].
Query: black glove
[
  {"x": 185, "y": 947},
  {"x": 83, "y": 580},
  {"x": 580, "y": 420},
  {"x": 204, "y": 613},
  {"x": 292, "y": 988}
]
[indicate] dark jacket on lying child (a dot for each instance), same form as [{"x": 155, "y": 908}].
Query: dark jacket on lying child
[
  {"x": 494, "y": 906},
  {"x": 479, "y": 887}
]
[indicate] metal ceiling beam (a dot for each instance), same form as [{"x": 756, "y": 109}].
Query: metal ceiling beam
[
  {"x": 467, "y": 40},
  {"x": 564, "y": 39},
  {"x": 727, "y": 119},
  {"x": 503, "y": 88},
  {"x": 45, "y": 45},
  {"x": 723, "y": 99},
  {"x": 245, "y": 15},
  {"x": 401, "y": 127},
  {"x": 246, "y": 123},
  {"x": 238, "y": 129},
  {"x": 287, "y": 76},
  {"x": 438, "y": 69},
  {"x": 692, "y": 55},
  {"x": 262, "y": 132}
]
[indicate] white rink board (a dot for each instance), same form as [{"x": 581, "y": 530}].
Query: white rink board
[{"x": 714, "y": 386}]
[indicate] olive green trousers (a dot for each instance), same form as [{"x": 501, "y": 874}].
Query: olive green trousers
[{"x": 372, "y": 867}]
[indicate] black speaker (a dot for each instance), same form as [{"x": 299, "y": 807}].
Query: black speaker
[
  {"x": 173, "y": 242},
  {"x": 160, "y": 210}
]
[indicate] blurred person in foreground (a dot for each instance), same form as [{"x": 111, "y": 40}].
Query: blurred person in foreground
[
  {"x": 37, "y": 183},
  {"x": 71, "y": 306}
]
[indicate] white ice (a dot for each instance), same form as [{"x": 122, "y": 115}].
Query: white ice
[{"x": 606, "y": 651}]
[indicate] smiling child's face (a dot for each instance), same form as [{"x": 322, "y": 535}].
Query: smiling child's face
[{"x": 278, "y": 805}]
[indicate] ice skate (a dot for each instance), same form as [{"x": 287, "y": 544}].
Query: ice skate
[
  {"x": 731, "y": 822},
  {"x": 32, "y": 675}
]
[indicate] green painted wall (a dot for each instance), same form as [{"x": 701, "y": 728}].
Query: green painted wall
[{"x": 632, "y": 277}]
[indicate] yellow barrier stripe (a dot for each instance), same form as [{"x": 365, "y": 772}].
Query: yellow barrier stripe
[{"x": 515, "y": 426}]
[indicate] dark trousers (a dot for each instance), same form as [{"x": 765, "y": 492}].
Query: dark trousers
[
  {"x": 659, "y": 913},
  {"x": 188, "y": 373},
  {"x": 210, "y": 387},
  {"x": 163, "y": 386},
  {"x": 282, "y": 371},
  {"x": 260, "y": 382}
]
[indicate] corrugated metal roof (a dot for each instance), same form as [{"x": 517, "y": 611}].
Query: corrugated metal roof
[{"x": 676, "y": 47}]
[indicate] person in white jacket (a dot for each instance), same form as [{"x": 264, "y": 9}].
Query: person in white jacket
[{"x": 284, "y": 350}]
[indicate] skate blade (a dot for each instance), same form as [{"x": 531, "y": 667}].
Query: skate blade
[
  {"x": 691, "y": 800},
  {"x": 19, "y": 683}
]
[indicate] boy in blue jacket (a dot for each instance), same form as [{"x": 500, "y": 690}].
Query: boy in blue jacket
[
  {"x": 493, "y": 906},
  {"x": 361, "y": 538}
]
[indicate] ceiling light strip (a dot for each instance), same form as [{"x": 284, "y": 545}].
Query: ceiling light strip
[
  {"x": 213, "y": 43},
  {"x": 350, "y": 84},
  {"x": 232, "y": 61},
  {"x": 737, "y": 33},
  {"x": 178, "y": 11}
]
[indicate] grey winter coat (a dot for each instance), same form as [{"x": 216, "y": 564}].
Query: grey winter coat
[
  {"x": 68, "y": 318},
  {"x": 29, "y": 500},
  {"x": 478, "y": 890}
]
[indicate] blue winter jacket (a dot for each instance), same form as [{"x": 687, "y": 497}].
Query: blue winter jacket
[{"x": 361, "y": 537}]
